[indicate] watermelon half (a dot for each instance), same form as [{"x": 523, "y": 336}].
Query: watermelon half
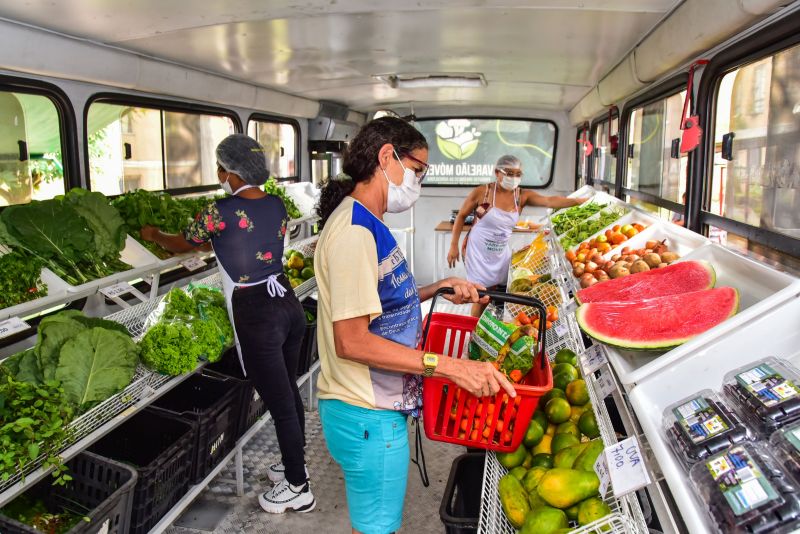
[
  {"x": 679, "y": 277},
  {"x": 659, "y": 323}
]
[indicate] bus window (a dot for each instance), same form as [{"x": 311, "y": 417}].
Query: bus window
[
  {"x": 756, "y": 167},
  {"x": 581, "y": 158},
  {"x": 280, "y": 140},
  {"x": 604, "y": 164},
  {"x": 464, "y": 151},
  {"x": 30, "y": 149},
  {"x": 148, "y": 148}
]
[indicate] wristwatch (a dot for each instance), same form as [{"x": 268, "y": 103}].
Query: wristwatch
[{"x": 430, "y": 361}]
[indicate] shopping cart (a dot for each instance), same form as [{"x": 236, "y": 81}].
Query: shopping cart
[{"x": 453, "y": 415}]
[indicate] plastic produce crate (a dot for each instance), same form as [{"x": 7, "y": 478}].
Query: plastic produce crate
[
  {"x": 161, "y": 449},
  {"x": 101, "y": 487},
  {"x": 461, "y": 502},
  {"x": 308, "y": 350},
  {"x": 251, "y": 406},
  {"x": 210, "y": 403}
]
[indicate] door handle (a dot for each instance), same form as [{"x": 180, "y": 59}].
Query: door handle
[
  {"x": 128, "y": 150},
  {"x": 727, "y": 146},
  {"x": 23, "y": 150}
]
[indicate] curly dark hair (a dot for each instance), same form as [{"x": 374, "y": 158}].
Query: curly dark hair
[{"x": 361, "y": 158}]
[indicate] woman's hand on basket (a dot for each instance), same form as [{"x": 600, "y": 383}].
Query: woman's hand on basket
[
  {"x": 479, "y": 378},
  {"x": 465, "y": 291}
]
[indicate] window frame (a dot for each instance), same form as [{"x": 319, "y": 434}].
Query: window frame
[
  {"x": 67, "y": 121},
  {"x": 122, "y": 99},
  {"x": 764, "y": 43},
  {"x": 670, "y": 87},
  {"x": 485, "y": 117},
  {"x": 578, "y": 148},
  {"x": 264, "y": 117},
  {"x": 592, "y": 138}
]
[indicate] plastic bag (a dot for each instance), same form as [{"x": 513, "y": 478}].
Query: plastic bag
[{"x": 511, "y": 347}]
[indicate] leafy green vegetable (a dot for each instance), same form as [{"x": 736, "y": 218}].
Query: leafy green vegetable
[
  {"x": 272, "y": 187},
  {"x": 34, "y": 420},
  {"x": 208, "y": 339},
  {"x": 96, "y": 364},
  {"x": 169, "y": 348},
  {"x": 104, "y": 220},
  {"x": 178, "y": 303},
  {"x": 20, "y": 278},
  {"x": 567, "y": 219},
  {"x": 588, "y": 228},
  {"x": 35, "y": 513},
  {"x": 219, "y": 316}
]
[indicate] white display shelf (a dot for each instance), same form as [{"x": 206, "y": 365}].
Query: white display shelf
[
  {"x": 773, "y": 333},
  {"x": 142, "y": 261}
]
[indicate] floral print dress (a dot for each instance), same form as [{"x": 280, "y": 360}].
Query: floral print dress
[{"x": 247, "y": 235}]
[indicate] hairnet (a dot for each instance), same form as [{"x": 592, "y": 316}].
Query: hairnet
[
  {"x": 243, "y": 156},
  {"x": 508, "y": 162}
]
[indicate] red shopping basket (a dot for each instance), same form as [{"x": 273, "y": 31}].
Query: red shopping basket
[{"x": 453, "y": 415}]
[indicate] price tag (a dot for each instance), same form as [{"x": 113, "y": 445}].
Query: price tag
[
  {"x": 570, "y": 306},
  {"x": 592, "y": 360},
  {"x": 601, "y": 469},
  {"x": 117, "y": 289},
  {"x": 626, "y": 467},
  {"x": 605, "y": 385},
  {"x": 11, "y": 326},
  {"x": 104, "y": 528},
  {"x": 561, "y": 330},
  {"x": 193, "y": 264}
]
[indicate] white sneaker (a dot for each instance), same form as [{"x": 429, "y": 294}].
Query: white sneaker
[
  {"x": 276, "y": 472},
  {"x": 284, "y": 496}
]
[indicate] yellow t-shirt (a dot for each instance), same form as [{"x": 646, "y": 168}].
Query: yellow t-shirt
[{"x": 361, "y": 271}]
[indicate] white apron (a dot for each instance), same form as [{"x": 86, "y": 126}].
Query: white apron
[{"x": 488, "y": 254}]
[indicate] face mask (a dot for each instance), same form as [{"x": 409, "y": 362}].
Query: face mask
[
  {"x": 402, "y": 197},
  {"x": 226, "y": 186},
  {"x": 510, "y": 182}
]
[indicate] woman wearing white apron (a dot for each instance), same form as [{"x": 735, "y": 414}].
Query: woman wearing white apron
[
  {"x": 246, "y": 230},
  {"x": 487, "y": 254}
]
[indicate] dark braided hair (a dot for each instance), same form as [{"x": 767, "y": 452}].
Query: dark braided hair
[{"x": 361, "y": 158}]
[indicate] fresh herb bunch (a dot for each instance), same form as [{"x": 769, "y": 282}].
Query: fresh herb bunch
[
  {"x": 273, "y": 188},
  {"x": 178, "y": 303},
  {"x": 34, "y": 421},
  {"x": 34, "y": 513},
  {"x": 208, "y": 338},
  {"x": 219, "y": 316},
  {"x": 20, "y": 279},
  {"x": 79, "y": 236},
  {"x": 588, "y": 228},
  {"x": 169, "y": 348},
  {"x": 566, "y": 220}
]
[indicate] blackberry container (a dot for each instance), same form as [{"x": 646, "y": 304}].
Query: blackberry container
[{"x": 785, "y": 445}]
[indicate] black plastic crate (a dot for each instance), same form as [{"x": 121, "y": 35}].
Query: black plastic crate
[
  {"x": 210, "y": 403},
  {"x": 161, "y": 449},
  {"x": 308, "y": 350},
  {"x": 461, "y": 502},
  {"x": 251, "y": 405},
  {"x": 102, "y": 488}
]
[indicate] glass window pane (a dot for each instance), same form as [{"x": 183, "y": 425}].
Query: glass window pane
[
  {"x": 280, "y": 142},
  {"x": 30, "y": 149},
  {"x": 581, "y": 159},
  {"x": 658, "y": 211},
  {"x": 603, "y": 162},
  {"x": 464, "y": 151},
  {"x": 189, "y": 147},
  {"x": 759, "y": 104},
  {"x": 764, "y": 254}
]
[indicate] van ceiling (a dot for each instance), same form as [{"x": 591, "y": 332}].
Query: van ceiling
[{"x": 533, "y": 53}]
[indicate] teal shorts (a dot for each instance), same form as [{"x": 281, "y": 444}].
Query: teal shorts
[{"x": 371, "y": 447}]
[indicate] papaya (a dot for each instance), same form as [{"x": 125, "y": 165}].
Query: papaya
[
  {"x": 544, "y": 520},
  {"x": 513, "y": 499},
  {"x": 519, "y": 472},
  {"x": 527, "y": 463},
  {"x": 563, "y": 488},
  {"x": 565, "y": 458},
  {"x": 544, "y": 446},
  {"x": 535, "y": 500},
  {"x": 550, "y": 430},
  {"x": 533, "y": 435},
  {"x": 568, "y": 427},
  {"x": 562, "y": 441},
  {"x": 592, "y": 509},
  {"x": 572, "y": 512},
  {"x": 585, "y": 460},
  {"x": 532, "y": 478},
  {"x": 510, "y": 460},
  {"x": 563, "y": 530}
]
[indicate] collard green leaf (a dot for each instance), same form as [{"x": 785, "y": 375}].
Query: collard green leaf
[
  {"x": 104, "y": 220},
  {"x": 54, "y": 331},
  {"x": 29, "y": 370},
  {"x": 90, "y": 322},
  {"x": 50, "y": 227},
  {"x": 96, "y": 364}
]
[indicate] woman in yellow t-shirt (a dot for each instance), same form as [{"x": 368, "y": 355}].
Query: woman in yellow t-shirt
[{"x": 369, "y": 323}]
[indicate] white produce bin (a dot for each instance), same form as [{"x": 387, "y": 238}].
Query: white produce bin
[
  {"x": 633, "y": 216},
  {"x": 761, "y": 289},
  {"x": 134, "y": 254},
  {"x": 56, "y": 291},
  {"x": 771, "y": 332},
  {"x": 678, "y": 239}
]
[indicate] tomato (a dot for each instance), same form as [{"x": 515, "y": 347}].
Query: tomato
[
  {"x": 522, "y": 318},
  {"x": 638, "y": 227},
  {"x": 570, "y": 255},
  {"x": 618, "y": 238},
  {"x": 608, "y": 234},
  {"x": 463, "y": 425},
  {"x": 549, "y": 325},
  {"x": 615, "y": 228},
  {"x": 602, "y": 248},
  {"x": 486, "y": 432},
  {"x": 631, "y": 232},
  {"x": 507, "y": 437},
  {"x": 602, "y": 238},
  {"x": 473, "y": 436}
]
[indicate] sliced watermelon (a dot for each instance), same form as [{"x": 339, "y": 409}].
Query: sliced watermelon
[
  {"x": 660, "y": 323},
  {"x": 679, "y": 277}
]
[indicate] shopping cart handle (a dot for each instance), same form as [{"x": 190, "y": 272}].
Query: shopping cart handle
[{"x": 497, "y": 296}]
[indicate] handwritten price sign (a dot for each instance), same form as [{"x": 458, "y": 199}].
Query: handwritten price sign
[
  {"x": 592, "y": 360},
  {"x": 626, "y": 467},
  {"x": 193, "y": 264},
  {"x": 11, "y": 326}
]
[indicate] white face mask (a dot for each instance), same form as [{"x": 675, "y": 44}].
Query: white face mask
[
  {"x": 226, "y": 186},
  {"x": 402, "y": 197},
  {"x": 510, "y": 182}
]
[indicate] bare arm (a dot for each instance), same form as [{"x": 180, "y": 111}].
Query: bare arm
[
  {"x": 172, "y": 242},
  {"x": 532, "y": 198},
  {"x": 356, "y": 343},
  {"x": 469, "y": 205}
]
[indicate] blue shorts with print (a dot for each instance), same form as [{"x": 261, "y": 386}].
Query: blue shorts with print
[{"x": 371, "y": 447}]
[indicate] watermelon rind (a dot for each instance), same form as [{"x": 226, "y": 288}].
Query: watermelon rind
[
  {"x": 629, "y": 344},
  {"x": 703, "y": 263}
]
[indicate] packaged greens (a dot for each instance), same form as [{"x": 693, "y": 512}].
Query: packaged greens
[{"x": 511, "y": 347}]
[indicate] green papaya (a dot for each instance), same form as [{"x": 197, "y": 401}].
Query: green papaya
[
  {"x": 544, "y": 520},
  {"x": 519, "y": 472},
  {"x": 591, "y": 510},
  {"x": 532, "y": 478},
  {"x": 572, "y": 512},
  {"x": 562, "y": 441},
  {"x": 513, "y": 499},
  {"x": 535, "y": 500},
  {"x": 585, "y": 460},
  {"x": 565, "y": 458},
  {"x": 510, "y": 460},
  {"x": 563, "y": 488}
]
